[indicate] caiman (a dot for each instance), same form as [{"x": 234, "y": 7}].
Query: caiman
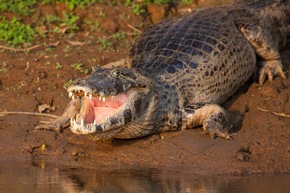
[{"x": 181, "y": 71}]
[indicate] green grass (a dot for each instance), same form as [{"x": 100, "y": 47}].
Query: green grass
[
  {"x": 70, "y": 21},
  {"x": 101, "y": 13},
  {"x": 138, "y": 9},
  {"x": 20, "y": 7},
  {"x": 72, "y": 4},
  {"x": 21, "y": 85},
  {"x": 186, "y": 2},
  {"x": 105, "y": 44},
  {"x": 4, "y": 68},
  {"x": 79, "y": 67},
  {"x": 15, "y": 32},
  {"x": 67, "y": 49},
  {"x": 68, "y": 83},
  {"x": 92, "y": 24},
  {"x": 58, "y": 65},
  {"x": 51, "y": 19},
  {"x": 119, "y": 35},
  {"x": 159, "y": 2}
]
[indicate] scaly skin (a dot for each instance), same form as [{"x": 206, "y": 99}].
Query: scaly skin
[{"x": 181, "y": 70}]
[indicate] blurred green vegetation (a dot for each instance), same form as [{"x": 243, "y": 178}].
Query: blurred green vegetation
[{"x": 16, "y": 31}]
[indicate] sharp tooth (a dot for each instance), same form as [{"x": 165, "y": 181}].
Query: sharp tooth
[
  {"x": 82, "y": 122},
  {"x": 75, "y": 122},
  {"x": 71, "y": 121},
  {"x": 86, "y": 94},
  {"x": 70, "y": 94},
  {"x": 95, "y": 123},
  {"x": 100, "y": 98},
  {"x": 91, "y": 96},
  {"x": 104, "y": 99},
  {"x": 73, "y": 97}
]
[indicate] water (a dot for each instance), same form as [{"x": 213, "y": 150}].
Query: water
[{"x": 14, "y": 179}]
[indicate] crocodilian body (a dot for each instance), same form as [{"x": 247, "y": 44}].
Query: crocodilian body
[{"x": 180, "y": 71}]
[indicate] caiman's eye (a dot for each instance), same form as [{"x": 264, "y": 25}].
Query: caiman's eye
[{"x": 115, "y": 73}]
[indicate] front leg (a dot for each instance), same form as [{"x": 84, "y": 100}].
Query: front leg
[
  {"x": 72, "y": 109},
  {"x": 213, "y": 118}
]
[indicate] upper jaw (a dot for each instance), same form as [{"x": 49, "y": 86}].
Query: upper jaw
[{"x": 82, "y": 91}]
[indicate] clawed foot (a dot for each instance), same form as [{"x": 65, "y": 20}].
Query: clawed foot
[
  {"x": 271, "y": 69},
  {"x": 214, "y": 134},
  {"x": 57, "y": 125}
]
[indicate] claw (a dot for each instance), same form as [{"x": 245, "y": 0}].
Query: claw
[
  {"x": 281, "y": 74},
  {"x": 270, "y": 76},
  {"x": 262, "y": 77},
  {"x": 271, "y": 69}
]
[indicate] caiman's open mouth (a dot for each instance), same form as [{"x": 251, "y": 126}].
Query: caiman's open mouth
[
  {"x": 109, "y": 100},
  {"x": 98, "y": 113},
  {"x": 96, "y": 109}
]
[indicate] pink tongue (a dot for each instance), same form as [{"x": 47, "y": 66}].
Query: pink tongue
[{"x": 99, "y": 111}]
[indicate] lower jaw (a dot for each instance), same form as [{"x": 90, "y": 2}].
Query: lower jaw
[{"x": 82, "y": 128}]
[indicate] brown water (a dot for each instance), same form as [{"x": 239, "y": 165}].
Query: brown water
[{"x": 44, "y": 179}]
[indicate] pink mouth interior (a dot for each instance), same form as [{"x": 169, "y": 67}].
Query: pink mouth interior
[{"x": 95, "y": 109}]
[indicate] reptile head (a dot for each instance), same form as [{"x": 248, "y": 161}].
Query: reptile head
[{"x": 111, "y": 99}]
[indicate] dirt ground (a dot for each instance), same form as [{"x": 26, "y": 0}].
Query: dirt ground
[{"x": 28, "y": 79}]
